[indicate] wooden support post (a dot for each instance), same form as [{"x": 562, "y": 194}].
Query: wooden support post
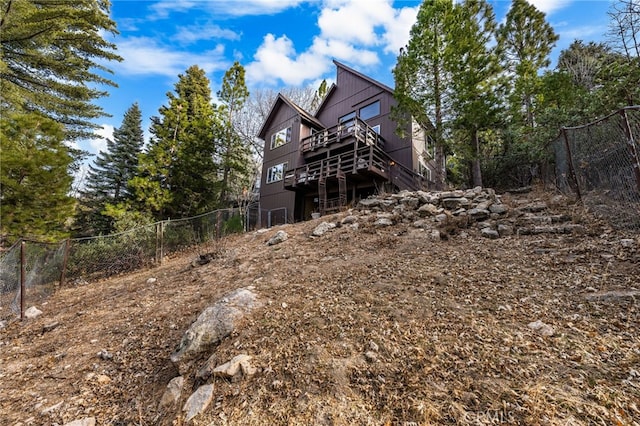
[
  {"x": 65, "y": 260},
  {"x": 22, "y": 278},
  {"x": 570, "y": 163},
  {"x": 633, "y": 147}
]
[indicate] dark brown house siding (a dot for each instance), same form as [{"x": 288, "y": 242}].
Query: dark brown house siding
[{"x": 338, "y": 164}]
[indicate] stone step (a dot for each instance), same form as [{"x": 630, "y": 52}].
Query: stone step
[
  {"x": 531, "y": 219},
  {"x": 562, "y": 229}
]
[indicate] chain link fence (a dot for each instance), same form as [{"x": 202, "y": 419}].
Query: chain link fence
[
  {"x": 31, "y": 271},
  {"x": 600, "y": 163}
]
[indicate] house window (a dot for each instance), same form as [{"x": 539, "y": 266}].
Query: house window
[
  {"x": 376, "y": 128},
  {"x": 430, "y": 146},
  {"x": 276, "y": 173},
  {"x": 347, "y": 117},
  {"x": 281, "y": 137},
  {"x": 424, "y": 171},
  {"x": 369, "y": 111}
]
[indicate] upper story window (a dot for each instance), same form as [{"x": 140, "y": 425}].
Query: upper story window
[
  {"x": 281, "y": 137},
  {"x": 276, "y": 173},
  {"x": 369, "y": 111},
  {"x": 347, "y": 117},
  {"x": 376, "y": 128}
]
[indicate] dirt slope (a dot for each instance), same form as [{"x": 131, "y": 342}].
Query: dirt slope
[{"x": 369, "y": 326}]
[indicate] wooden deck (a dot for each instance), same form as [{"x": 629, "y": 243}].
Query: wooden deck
[{"x": 350, "y": 132}]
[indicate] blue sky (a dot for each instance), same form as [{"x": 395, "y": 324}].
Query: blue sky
[{"x": 279, "y": 42}]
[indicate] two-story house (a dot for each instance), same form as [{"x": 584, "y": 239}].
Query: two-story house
[{"x": 348, "y": 150}]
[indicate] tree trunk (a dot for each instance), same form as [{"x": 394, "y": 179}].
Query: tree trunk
[{"x": 476, "y": 172}]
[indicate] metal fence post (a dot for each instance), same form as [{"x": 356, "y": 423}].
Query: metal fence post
[
  {"x": 570, "y": 163},
  {"x": 65, "y": 259},
  {"x": 632, "y": 147},
  {"x": 22, "y": 278}
]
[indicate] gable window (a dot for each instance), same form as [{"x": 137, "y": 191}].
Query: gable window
[
  {"x": 369, "y": 111},
  {"x": 281, "y": 137},
  {"x": 276, "y": 173}
]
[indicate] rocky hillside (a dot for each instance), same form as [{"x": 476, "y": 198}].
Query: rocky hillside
[{"x": 418, "y": 308}]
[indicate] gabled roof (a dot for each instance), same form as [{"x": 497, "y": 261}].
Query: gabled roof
[
  {"x": 384, "y": 87},
  {"x": 364, "y": 77},
  {"x": 280, "y": 100}
]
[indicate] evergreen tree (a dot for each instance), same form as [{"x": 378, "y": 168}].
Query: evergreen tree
[
  {"x": 107, "y": 180},
  {"x": 177, "y": 174},
  {"x": 525, "y": 42},
  {"x": 421, "y": 78},
  {"x": 34, "y": 177},
  {"x": 50, "y": 51},
  {"x": 474, "y": 67},
  {"x": 234, "y": 153}
]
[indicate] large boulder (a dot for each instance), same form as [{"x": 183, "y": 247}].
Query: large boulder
[{"x": 214, "y": 324}]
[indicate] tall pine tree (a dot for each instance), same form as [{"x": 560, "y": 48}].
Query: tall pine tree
[
  {"x": 474, "y": 67},
  {"x": 525, "y": 42},
  {"x": 177, "y": 174},
  {"x": 421, "y": 78},
  {"x": 51, "y": 51},
  {"x": 108, "y": 178},
  {"x": 34, "y": 177},
  {"x": 234, "y": 153}
]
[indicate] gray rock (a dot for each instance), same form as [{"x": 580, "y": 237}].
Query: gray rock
[
  {"x": 541, "y": 328},
  {"x": 214, "y": 324},
  {"x": 3, "y": 324},
  {"x": 421, "y": 224},
  {"x": 442, "y": 218},
  {"x": 613, "y": 296},
  {"x": 489, "y": 233},
  {"x": 627, "y": 243},
  {"x": 239, "y": 363},
  {"x": 535, "y": 207},
  {"x": 455, "y": 203},
  {"x": 498, "y": 209},
  {"x": 348, "y": 220},
  {"x": 388, "y": 204},
  {"x": 49, "y": 327},
  {"x": 428, "y": 209},
  {"x": 87, "y": 421},
  {"x": 483, "y": 205},
  {"x": 172, "y": 394},
  {"x": 451, "y": 194},
  {"x": 478, "y": 214},
  {"x": 32, "y": 313},
  {"x": 322, "y": 229},
  {"x": 198, "y": 402},
  {"x": 369, "y": 203},
  {"x": 505, "y": 230},
  {"x": 435, "y": 235},
  {"x": 383, "y": 221},
  {"x": 410, "y": 202},
  {"x": 279, "y": 237}
]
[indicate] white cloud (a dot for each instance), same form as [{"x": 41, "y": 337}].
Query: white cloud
[
  {"x": 100, "y": 143},
  {"x": 190, "y": 34},
  {"x": 550, "y": 6},
  {"x": 350, "y": 30},
  {"x": 276, "y": 60},
  {"x": 144, "y": 56},
  {"x": 398, "y": 30},
  {"x": 163, "y": 8}
]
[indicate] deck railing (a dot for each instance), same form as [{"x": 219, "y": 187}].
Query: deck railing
[
  {"x": 364, "y": 159},
  {"x": 354, "y": 128}
]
